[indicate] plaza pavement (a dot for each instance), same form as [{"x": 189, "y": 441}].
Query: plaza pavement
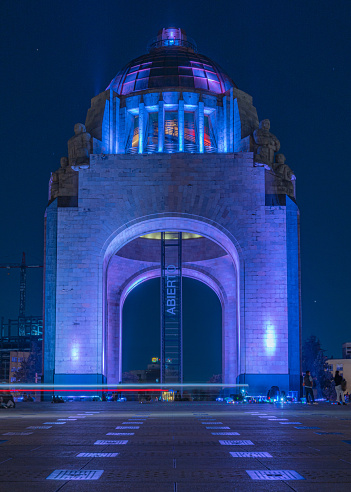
[{"x": 176, "y": 447}]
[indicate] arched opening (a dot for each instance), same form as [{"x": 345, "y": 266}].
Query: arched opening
[
  {"x": 212, "y": 258},
  {"x": 202, "y": 332}
]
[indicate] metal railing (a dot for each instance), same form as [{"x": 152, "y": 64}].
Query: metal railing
[{"x": 159, "y": 43}]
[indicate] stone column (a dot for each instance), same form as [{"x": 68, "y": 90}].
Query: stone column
[
  {"x": 116, "y": 125},
  {"x": 201, "y": 127},
  {"x": 231, "y": 121},
  {"x": 141, "y": 127},
  {"x": 161, "y": 125},
  {"x": 181, "y": 125},
  {"x": 225, "y": 139}
]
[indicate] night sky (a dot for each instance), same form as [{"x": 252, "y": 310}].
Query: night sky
[
  {"x": 292, "y": 57},
  {"x": 202, "y": 327}
]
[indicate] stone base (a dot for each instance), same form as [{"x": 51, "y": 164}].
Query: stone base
[
  {"x": 78, "y": 380},
  {"x": 259, "y": 384}
]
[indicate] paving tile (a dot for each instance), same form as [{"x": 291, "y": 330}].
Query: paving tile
[{"x": 173, "y": 445}]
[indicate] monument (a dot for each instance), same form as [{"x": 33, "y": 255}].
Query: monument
[{"x": 172, "y": 175}]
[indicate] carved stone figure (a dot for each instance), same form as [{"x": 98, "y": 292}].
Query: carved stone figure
[
  {"x": 282, "y": 169},
  {"x": 267, "y": 143},
  {"x": 79, "y": 148},
  {"x": 64, "y": 162},
  {"x": 63, "y": 182},
  {"x": 53, "y": 186}
]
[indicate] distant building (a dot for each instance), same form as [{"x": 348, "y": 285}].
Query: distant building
[
  {"x": 16, "y": 359},
  {"x": 342, "y": 365},
  {"x": 346, "y": 350},
  {"x": 149, "y": 375},
  {"x": 12, "y": 341}
]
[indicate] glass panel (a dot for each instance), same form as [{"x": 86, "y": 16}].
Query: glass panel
[
  {"x": 127, "y": 88},
  {"x": 171, "y": 81},
  {"x": 143, "y": 73},
  {"x": 209, "y": 133},
  {"x": 214, "y": 86},
  {"x": 186, "y": 81},
  {"x": 135, "y": 137},
  {"x": 172, "y": 61},
  {"x": 185, "y": 71},
  {"x": 157, "y": 82},
  {"x": 189, "y": 127},
  {"x": 130, "y": 77},
  {"x": 141, "y": 84},
  {"x": 152, "y": 132},
  {"x": 212, "y": 76},
  {"x": 198, "y": 73},
  {"x": 171, "y": 71},
  {"x": 156, "y": 72},
  {"x": 171, "y": 127},
  {"x": 200, "y": 83}
]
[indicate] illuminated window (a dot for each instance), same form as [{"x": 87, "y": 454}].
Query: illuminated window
[
  {"x": 152, "y": 133},
  {"x": 133, "y": 140},
  {"x": 210, "y": 141},
  {"x": 190, "y": 140},
  {"x": 340, "y": 367},
  {"x": 13, "y": 380},
  {"x": 171, "y": 131},
  {"x": 14, "y": 359}
]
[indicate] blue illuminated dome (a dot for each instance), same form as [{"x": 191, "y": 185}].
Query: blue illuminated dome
[{"x": 172, "y": 63}]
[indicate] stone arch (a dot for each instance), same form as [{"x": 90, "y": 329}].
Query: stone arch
[
  {"x": 142, "y": 277},
  {"x": 228, "y": 275}
]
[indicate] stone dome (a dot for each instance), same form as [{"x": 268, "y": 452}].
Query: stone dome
[{"x": 172, "y": 63}]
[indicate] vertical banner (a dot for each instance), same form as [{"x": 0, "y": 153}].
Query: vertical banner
[{"x": 171, "y": 308}]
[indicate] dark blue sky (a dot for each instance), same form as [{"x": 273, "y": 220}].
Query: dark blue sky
[
  {"x": 292, "y": 57},
  {"x": 202, "y": 327}
]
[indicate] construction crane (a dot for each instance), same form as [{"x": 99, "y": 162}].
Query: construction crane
[{"x": 23, "y": 267}]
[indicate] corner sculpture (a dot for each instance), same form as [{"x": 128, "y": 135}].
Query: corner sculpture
[
  {"x": 266, "y": 144},
  {"x": 79, "y": 148},
  {"x": 63, "y": 182}
]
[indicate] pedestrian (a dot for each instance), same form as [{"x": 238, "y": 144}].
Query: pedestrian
[
  {"x": 308, "y": 384},
  {"x": 338, "y": 380},
  {"x": 11, "y": 402}
]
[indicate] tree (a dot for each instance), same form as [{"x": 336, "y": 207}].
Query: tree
[
  {"x": 31, "y": 366},
  {"x": 129, "y": 377},
  {"x": 213, "y": 392},
  {"x": 216, "y": 378},
  {"x": 314, "y": 360}
]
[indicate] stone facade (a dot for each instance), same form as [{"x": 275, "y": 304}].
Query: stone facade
[{"x": 240, "y": 199}]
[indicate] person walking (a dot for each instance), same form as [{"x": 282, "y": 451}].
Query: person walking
[
  {"x": 338, "y": 379},
  {"x": 308, "y": 384}
]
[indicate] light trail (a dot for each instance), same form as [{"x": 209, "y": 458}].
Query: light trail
[{"x": 39, "y": 386}]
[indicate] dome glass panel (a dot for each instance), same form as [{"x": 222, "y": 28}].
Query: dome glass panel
[{"x": 171, "y": 63}]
